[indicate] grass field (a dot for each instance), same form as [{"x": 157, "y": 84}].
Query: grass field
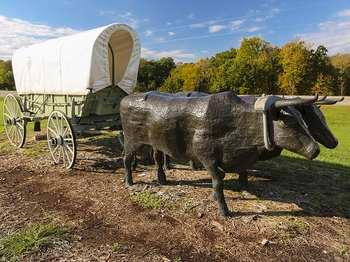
[{"x": 338, "y": 119}]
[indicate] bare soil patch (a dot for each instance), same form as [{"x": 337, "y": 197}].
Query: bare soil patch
[{"x": 292, "y": 211}]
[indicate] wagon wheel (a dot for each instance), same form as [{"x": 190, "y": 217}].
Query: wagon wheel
[
  {"x": 61, "y": 140},
  {"x": 14, "y": 123}
]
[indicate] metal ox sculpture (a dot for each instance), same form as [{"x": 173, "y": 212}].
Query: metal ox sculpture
[{"x": 221, "y": 131}]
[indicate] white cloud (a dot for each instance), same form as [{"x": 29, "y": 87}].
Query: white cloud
[
  {"x": 169, "y": 23},
  {"x": 160, "y": 39},
  {"x": 216, "y": 28},
  {"x": 253, "y": 29},
  {"x": 233, "y": 25},
  {"x": 236, "y": 24},
  {"x": 16, "y": 33},
  {"x": 177, "y": 55},
  {"x": 334, "y": 35},
  {"x": 275, "y": 11},
  {"x": 130, "y": 19},
  {"x": 148, "y": 33},
  {"x": 344, "y": 13},
  {"x": 202, "y": 24},
  {"x": 106, "y": 12},
  {"x": 171, "y": 33}
]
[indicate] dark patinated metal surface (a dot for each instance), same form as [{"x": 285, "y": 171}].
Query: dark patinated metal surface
[{"x": 221, "y": 131}]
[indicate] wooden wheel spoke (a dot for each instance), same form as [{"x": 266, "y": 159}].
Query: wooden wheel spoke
[
  {"x": 7, "y": 109},
  {"x": 54, "y": 125},
  {"x": 60, "y": 127},
  {"x": 67, "y": 155},
  {"x": 70, "y": 149},
  {"x": 65, "y": 131},
  {"x": 52, "y": 131},
  {"x": 7, "y": 115},
  {"x": 15, "y": 132}
]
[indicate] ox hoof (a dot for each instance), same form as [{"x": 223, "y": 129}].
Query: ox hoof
[
  {"x": 162, "y": 182},
  {"x": 225, "y": 213},
  {"x": 129, "y": 183},
  {"x": 161, "y": 179}
]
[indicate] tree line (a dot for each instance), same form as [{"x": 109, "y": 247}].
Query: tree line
[{"x": 256, "y": 67}]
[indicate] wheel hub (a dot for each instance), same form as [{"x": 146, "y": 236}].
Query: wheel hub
[
  {"x": 11, "y": 121},
  {"x": 57, "y": 141}
]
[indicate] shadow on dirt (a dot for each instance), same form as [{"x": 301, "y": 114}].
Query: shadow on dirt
[{"x": 319, "y": 188}]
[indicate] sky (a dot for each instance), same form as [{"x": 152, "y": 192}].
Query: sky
[{"x": 185, "y": 30}]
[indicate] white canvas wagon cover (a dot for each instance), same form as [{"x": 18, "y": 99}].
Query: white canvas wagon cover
[{"x": 76, "y": 64}]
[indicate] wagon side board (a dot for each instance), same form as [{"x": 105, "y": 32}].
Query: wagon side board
[{"x": 94, "y": 111}]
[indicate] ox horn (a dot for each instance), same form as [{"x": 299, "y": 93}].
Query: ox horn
[
  {"x": 295, "y": 101},
  {"x": 321, "y": 99},
  {"x": 329, "y": 101}
]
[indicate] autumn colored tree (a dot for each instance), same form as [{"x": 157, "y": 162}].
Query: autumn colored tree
[
  {"x": 296, "y": 61},
  {"x": 189, "y": 77},
  {"x": 341, "y": 64}
]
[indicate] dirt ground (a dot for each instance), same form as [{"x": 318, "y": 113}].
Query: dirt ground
[{"x": 288, "y": 214}]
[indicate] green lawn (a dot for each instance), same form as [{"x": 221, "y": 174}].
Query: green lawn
[{"x": 338, "y": 118}]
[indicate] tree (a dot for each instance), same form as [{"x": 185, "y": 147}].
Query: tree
[
  {"x": 152, "y": 74},
  {"x": 6, "y": 76},
  {"x": 254, "y": 69},
  {"x": 296, "y": 61},
  {"x": 189, "y": 77},
  {"x": 341, "y": 63}
]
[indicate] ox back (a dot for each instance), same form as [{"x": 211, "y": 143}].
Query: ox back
[{"x": 190, "y": 127}]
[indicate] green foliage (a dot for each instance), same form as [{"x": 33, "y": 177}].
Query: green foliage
[
  {"x": 6, "y": 76},
  {"x": 255, "y": 68},
  {"x": 32, "y": 238},
  {"x": 152, "y": 74},
  {"x": 147, "y": 200}
]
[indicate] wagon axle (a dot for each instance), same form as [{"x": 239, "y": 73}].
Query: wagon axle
[{"x": 57, "y": 141}]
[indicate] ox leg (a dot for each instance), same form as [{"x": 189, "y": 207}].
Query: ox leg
[
  {"x": 128, "y": 159},
  {"x": 243, "y": 180},
  {"x": 134, "y": 163},
  {"x": 166, "y": 165},
  {"x": 218, "y": 186},
  {"x": 159, "y": 159}
]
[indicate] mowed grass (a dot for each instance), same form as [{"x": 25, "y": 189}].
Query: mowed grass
[{"x": 338, "y": 119}]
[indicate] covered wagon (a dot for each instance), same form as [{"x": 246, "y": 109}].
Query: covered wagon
[{"x": 76, "y": 82}]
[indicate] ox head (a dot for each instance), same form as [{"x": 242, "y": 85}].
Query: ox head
[
  {"x": 284, "y": 126},
  {"x": 316, "y": 121}
]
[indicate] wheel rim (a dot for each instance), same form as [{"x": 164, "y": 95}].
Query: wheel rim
[
  {"x": 61, "y": 140},
  {"x": 14, "y": 123}
]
